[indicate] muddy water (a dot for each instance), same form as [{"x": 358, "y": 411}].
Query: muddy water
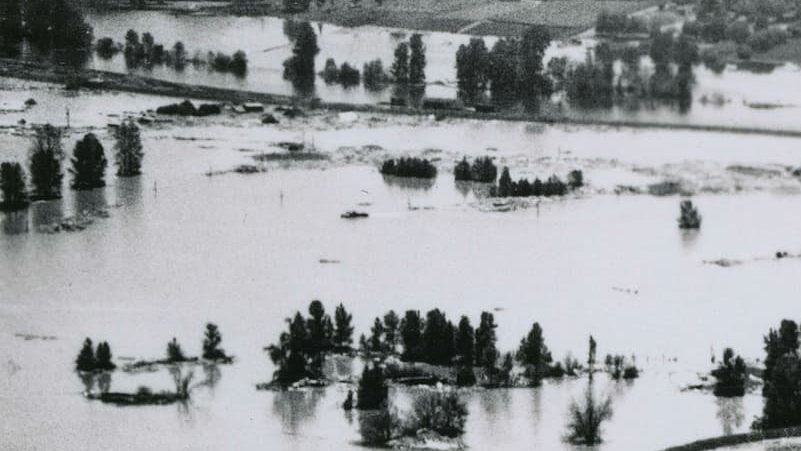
[{"x": 180, "y": 249}]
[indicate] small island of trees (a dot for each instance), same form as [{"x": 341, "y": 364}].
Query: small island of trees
[
  {"x": 483, "y": 170},
  {"x": 553, "y": 186},
  {"x": 409, "y": 167}
]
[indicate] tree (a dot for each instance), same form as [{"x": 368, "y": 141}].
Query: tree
[
  {"x": 465, "y": 342},
  {"x": 731, "y": 375},
  {"x": 103, "y": 357},
  {"x": 174, "y": 351},
  {"x": 289, "y": 354},
  {"x": 179, "y": 55},
  {"x": 486, "y": 353},
  {"x": 211, "y": 343},
  {"x": 591, "y": 354},
  {"x": 441, "y": 412},
  {"x": 535, "y": 85},
  {"x": 45, "y": 161},
  {"x": 689, "y": 217},
  {"x": 505, "y": 184},
  {"x": 778, "y": 343},
  {"x": 411, "y": 332},
  {"x": 391, "y": 324},
  {"x": 585, "y": 419},
  {"x": 86, "y": 358},
  {"x": 299, "y": 68},
  {"x": 12, "y": 187},
  {"x": 128, "y": 148},
  {"x": 88, "y": 164},
  {"x": 343, "y": 331},
  {"x": 533, "y": 354},
  {"x": 377, "y": 332},
  {"x": 504, "y": 82},
  {"x": 11, "y": 22},
  {"x": 319, "y": 338},
  {"x": 56, "y": 24},
  {"x": 472, "y": 70},
  {"x": 373, "y": 390},
  {"x": 437, "y": 340},
  {"x": 374, "y": 75},
  {"x": 400, "y": 66},
  {"x": 417, "y": 60}
]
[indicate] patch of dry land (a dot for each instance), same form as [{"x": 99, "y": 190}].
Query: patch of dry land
[{"x": 501, "y": 18}]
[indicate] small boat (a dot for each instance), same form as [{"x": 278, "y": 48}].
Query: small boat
[{"x": 353, "y": 214}]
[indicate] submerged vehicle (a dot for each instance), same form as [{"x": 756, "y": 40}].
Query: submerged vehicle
[{"x": 353, "y": 214}]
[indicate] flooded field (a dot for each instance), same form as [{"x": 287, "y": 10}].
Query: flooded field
[
  {"x": 719, "y": 99},
  {"x": 180, "y": 248}
]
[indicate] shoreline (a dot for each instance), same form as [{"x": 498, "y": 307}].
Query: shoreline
[
  {"x": 111, "y": 81},
  {"x": 737, "y": 439}
]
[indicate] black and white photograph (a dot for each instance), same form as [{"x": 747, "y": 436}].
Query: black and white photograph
[{"x": 425, "y": 225}]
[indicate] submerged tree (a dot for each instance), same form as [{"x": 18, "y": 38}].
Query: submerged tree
[
  {"x": 400, "y": 65},
  {"x": 58, "y": 24},
  {"x": 373, "y": 390},
  {"x": 689, "y": 217},
  {"x": 103, "y": 357},
  {"x": 534, "y": 355},
  {"x": 299, "y": 68},
  {"x": 88, "y": 164},
  {"x": 534, "y": 85},
  {"x": 472, "y": 70},
  {"x": 486, "y": 352},
  {"x": 289, "y": 355},
  {"x": 86, "y": 360},
  {"x": 174, "y": 351},
  {"x": 411, "y": 333},
  {"x": 12, "y": 187},
  {"x": 211, "y": 343},
  {"x": 441, "y": 412},
  {"x": 782, "y": 377},
  {"x": 731, "y": 375},
  {"x": 128, "y": 148},
  {"x": 417, "y": 60},
  {"x": 45, "y": 161},
  {"x": 586, "y": 418}
]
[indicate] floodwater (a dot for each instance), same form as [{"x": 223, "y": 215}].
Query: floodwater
[
  {"x": 180, "y": 249},
  {"x": 719, "y": 99}
]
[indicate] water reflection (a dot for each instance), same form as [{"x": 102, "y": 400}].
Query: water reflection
[
  {"x": 495, "y": 403},
  {"x": 87, "y": 202},
  {"x": 211, "y": 375},
  {"x": 296, "y": 407},
  {"x": 689, "y": 238},
  {"x": 730, "y": 414},
  {"x": 89, "y": 380},
  {"x": 15, "y": 222},
  {"x": 129, "y": 192},
  {"x": 47, "y": 212},
  {"x": 411, "y": 183}
]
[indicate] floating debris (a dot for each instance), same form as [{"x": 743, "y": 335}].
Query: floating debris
[{"x": 353, "y": 214}]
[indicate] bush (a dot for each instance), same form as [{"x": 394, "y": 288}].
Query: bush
[
  {"x": 586, "y": 418},
  {"x": 377, "y": 427},
  {"x": 106, "y": 48},
  {"x": 348, "y": 76},
  {"x": 330, "y": 72},
  {"x": 441, "y": 412},
  {"x": 211, "y": 343},
  {"x": 689, "y": 218},
  {"x": 174, "y": 351},
  {"x": 731, "y": 375},
  {"x": 553, "y": 186},
  {"x": 409, "y": 167}
]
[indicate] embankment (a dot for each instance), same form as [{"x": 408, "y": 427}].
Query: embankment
[
  {"x": 737, "y": 439},
  {"x": 102, "y": 80}
]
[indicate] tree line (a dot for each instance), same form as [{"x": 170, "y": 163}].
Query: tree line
[
  {"x": 409, "y": 167},
  {"x": 47, "y": 24},
  {"x": 88, "y": 165},
  {"x": 553, "y": 186}
]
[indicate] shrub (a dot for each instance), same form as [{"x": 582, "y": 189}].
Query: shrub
[
  {"x": 211, "y": 343},
  {"x": 441, "y": 412},
  {"x": 348, "y": 76},
  {"x": 731, "y": 375},
  {"x": 377, "y": 427},
  {"x": 689, "y": 218},
  {"x": 575, "y": 179},
  {"x": 106, "y": 48},
  {"x": 586, "y": 418},
  {"x": 330, "y": 72}
]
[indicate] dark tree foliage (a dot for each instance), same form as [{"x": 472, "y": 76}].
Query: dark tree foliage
[
  {"x": 779, "y": 343},
  {"x": 343, "y": 331},
  {"x": 438, "y": 339},
  {"x": 86, "y": 358},
  {"x": 591, "y": 353},
  {"x": 472, "y": 70},
  {"x": 174, "y": 351},
  {"x": 45, "y": 163},
  {"x": 11, "y": 27},
  {"x": 575, "y": 179},
  {"x": 689, "y": 218},
  {"x": 504, "y": 81},
  {"x": 409, "y": 167},
  {"x": 319, "y": 335},
  {"x": 373, "y": 390},
  {"x": 411, "y": 332},
  {"x": 349, "y": 76},
  {"x": 128, "y": 150},
  {"x": 553, "y": 186},
  {"x": 211, "y": 343},
  {"x": 619, "y": 23},
  {"x": 782, "y": 376},
  {"x": 534, "y": 354},
  {"x": 330, "y": 72},
  {"x": 465, "y": 342},
  {"x": 391, "y": 325},
  {"x": 535, "y": 86},
  {"x": 57, "y": 24},
  {"x": 731, "y": 375},
  {"x": 299, "y": 68},
  {"x": 417, "y": 60},
  {"x": 103, "y": 357},
  {"x": 486, "y": 352},
  {"x": 12, "y": 187},
  {"x": 106, "y": 48},
  {"x": 88, "y": 164},
  {"x": 483, "y": 170},
  {"x": 400, "y": 65}
]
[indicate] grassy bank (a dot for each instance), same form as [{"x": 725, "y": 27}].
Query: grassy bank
[
  {"x": 101, "y": 80},
  {"x": 737, "y": 439}
]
